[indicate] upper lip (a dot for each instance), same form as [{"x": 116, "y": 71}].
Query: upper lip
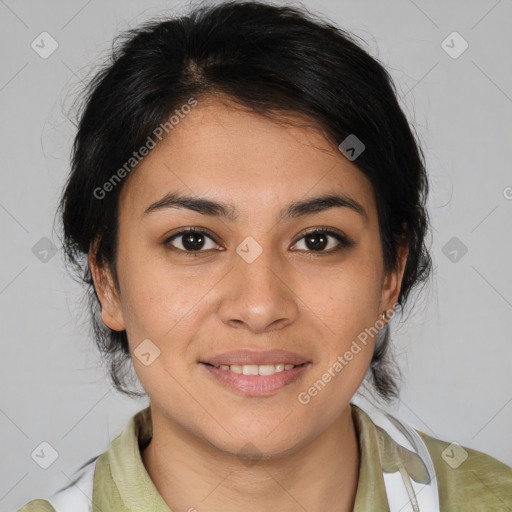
[{"x": 259, "y": 357}]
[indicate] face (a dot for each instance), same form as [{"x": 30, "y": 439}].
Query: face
[{"x": 259, "y": 278}]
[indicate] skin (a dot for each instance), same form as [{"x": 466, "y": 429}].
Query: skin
[{"x": 290, "y": 297}]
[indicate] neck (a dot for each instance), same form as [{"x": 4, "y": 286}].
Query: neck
[{"x": 190, "y": 473}]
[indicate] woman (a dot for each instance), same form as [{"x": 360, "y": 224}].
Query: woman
[{"x": 247, "y": 208}]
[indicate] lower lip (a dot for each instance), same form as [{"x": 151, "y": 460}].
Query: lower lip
[{"x": 256, "y": 385}]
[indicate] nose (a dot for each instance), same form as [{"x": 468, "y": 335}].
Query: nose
[{"x": 258, "y": 295}]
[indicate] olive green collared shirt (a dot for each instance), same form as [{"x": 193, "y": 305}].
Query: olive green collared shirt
[{"x": 480, "y": 483}]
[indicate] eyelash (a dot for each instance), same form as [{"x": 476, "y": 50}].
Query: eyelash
[{"x": 344, "y": 242}]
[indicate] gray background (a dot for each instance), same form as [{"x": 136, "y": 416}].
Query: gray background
[{"x": 454, "y": 350}]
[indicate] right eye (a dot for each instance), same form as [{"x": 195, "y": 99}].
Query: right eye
[{"x": 192, "y": 241}]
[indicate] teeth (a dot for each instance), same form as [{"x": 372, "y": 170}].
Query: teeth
[{"x": 254, "y": 369}]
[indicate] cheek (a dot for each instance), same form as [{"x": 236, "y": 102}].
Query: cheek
[
  {"x": 347, "y": 298},
  {"x": 159, "y": 309},
  {"x": 151, "y": 298},
  {"x": 157, "y": 306},
  {"x": 347, "y": 305},
  {"x": 163, "y": 302},
  {"x": 347, "y": 312}
]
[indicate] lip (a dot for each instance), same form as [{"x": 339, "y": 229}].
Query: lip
[
  {"x": 258, "y": 357},
  {"x": 255, "y": 385}
]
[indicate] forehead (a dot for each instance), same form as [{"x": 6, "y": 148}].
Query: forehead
[{"x": 222, "y": 151}]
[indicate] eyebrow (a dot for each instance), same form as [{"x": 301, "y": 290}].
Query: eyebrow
[{"x": 292, "y": 211}]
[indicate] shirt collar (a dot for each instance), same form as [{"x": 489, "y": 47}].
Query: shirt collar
[{"x": 122, "y": 483}]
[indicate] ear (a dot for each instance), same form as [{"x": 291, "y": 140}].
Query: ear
[
  {"x": 111, "y": 312},
  {"x": 393, "y": 281}
]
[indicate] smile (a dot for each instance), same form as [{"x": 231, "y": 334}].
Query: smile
[
  {"x": 255, "y": 369},
  {"x": 255, "y": 380}
]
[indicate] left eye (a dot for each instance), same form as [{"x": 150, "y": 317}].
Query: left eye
[{"x": 318, "y": 241}]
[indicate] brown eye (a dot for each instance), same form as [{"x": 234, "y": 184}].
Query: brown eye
[
  {"x": 319, "y": 239},
  {"x": 316, "y": 241},
  {"x": 190, "y": 240}
]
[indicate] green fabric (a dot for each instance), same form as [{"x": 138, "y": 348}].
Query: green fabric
[
  {"x": 480, "y": 483},
  {"x": 37, "y": 506}
]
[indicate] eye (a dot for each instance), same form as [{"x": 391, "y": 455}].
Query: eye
[
  {"x": 194, "y": 241},
  {"x": 191, "y": 241},
  {"x": 317, "y": 240}
]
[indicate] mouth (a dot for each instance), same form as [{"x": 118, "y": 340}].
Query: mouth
[
  {"x": 252, "y": 372},
  {"x": 255, "y": 380},
  {"x": 251, "y": 357},
  {"x": 256, "y": 369}
]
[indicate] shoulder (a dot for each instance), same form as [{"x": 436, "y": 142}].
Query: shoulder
[
  {"x": 37, "y": 506},
  {"x": 469, "y": 479},
  {"x": 75, "y": 497},
  {"x": 95, "y": 476}
]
